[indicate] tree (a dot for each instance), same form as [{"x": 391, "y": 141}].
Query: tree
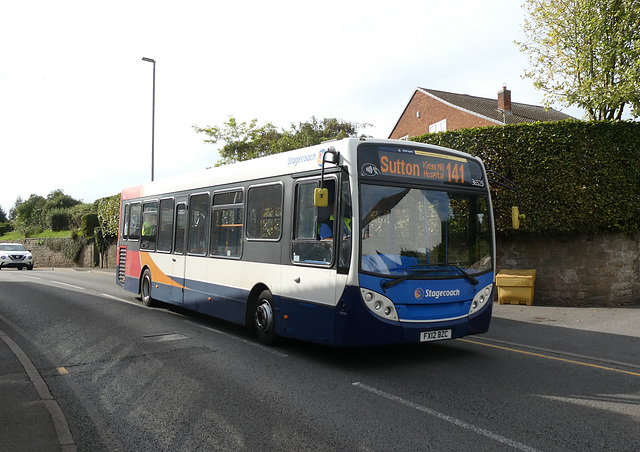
[
  {"x": 3, "y": 216},
  {"x": 585, "y": 53},
  {"x": 108, "y": 210},
  {"x": 29, "y": 213},
  {"x": 244, "y": 141},
  {"x": 13, "y": 211},
  {"x": 58, "y": 200}
]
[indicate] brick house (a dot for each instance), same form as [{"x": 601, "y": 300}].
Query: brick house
[{"x": 431, "y": 111}]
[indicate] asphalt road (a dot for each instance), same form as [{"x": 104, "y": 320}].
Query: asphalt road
[{"x": 131, "y": 378}]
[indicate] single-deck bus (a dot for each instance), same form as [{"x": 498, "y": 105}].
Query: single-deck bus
[{"x": 353, "y": 242}]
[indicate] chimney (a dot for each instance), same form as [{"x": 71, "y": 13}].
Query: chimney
[{"x": 504, "y": 99}]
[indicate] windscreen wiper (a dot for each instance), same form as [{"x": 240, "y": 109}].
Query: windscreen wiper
[
  {"x": 398, "y": 280},
  {"x": 471, "y": 279},
  {"x": 395, "y": 282}
]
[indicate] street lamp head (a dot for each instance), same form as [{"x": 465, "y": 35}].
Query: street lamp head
[{"x": 149, "y": 60}]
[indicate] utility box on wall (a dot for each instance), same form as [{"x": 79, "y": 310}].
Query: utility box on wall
[{"x": 515, "y": 286}]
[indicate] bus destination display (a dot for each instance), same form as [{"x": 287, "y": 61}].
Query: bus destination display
[
  {"x": 426, "y": 166},
  {"x": 418, "y": 164}
]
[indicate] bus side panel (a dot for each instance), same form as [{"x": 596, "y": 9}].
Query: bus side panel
[
  {"x": 305, "y": 321},
  {"x": 223, "y": 302}
]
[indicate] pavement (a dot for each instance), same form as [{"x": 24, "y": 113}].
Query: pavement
[{"x": 31, "y": 420}]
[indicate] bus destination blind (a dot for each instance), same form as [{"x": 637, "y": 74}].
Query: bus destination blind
[{"x": 426, "y": 166}]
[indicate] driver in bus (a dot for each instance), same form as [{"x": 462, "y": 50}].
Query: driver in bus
[{"x": 325, "y": 230}]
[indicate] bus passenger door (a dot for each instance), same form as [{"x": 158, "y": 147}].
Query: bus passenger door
[{"x": 179, "y": 251}]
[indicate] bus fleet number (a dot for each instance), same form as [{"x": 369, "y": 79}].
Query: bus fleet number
[{"x": 455, "y": 173}]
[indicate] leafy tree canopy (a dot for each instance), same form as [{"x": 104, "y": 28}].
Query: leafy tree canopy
[
  {"x": 3, "y": 216},
  {"x": 29, "y": 213},
  {"x": 58, "y": 200},
  {"x": 39, "y": 213},
  {"x": 585, "y": 53},
  {"x": 244, "y": 141}
]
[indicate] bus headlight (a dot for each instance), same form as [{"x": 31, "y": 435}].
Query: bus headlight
[
  {"x": 379, "y": 304},
  {"x": 481, "y": 299}
]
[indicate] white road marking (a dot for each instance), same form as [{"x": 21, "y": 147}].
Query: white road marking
[
  {"x": 67, "y": 285},
  {"x": 445, "y": 417},
  {"x": 133, "y": 303}
]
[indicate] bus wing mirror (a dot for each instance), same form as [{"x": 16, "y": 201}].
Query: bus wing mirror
[
  {"x": 516, "y": 216},
  {"x": 321, "y": 197},
  {"x": 499, "y": 179}
]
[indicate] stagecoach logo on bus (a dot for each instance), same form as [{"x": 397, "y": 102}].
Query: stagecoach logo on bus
[
  {"x": 419, "y": 293},
  {"x": 306, "y": 158}
]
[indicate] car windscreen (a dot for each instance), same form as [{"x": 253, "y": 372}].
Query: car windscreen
[{"x": 11, "y": 247}]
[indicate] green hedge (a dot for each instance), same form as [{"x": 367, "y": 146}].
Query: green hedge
[{"x": 573, "y": 176}]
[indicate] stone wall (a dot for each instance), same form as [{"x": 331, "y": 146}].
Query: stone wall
[
  {"x": 584, "y": 270},
  {"x": 89, "y": 256},
  {"x": 598, "y": 270}
]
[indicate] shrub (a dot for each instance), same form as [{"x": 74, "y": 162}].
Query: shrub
[
  {"x": 70, "y": 247},
  {"x": 5, "y": 227},
  {"x": 58, "y": 220}
]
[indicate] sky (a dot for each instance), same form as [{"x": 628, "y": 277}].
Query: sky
[{"x": 76, "y": 97}]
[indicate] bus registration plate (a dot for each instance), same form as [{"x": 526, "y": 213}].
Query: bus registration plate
[{"x": 438, "y": 335}]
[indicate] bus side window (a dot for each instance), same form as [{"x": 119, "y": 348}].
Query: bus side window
[
  {"x": 181, "y": 226},
  {"x": 125, "y": 222},
  {"x": 345, "y": 225},
  {"x": 149, "y": 226},
  {"x": 134, "y": 221},
  {"x": 165, "y": 225},
  {"x": 199, "y": 224},
  {"x": 227, "y": 224},
  {"x": 264, "y": 212},
  {"x": 306, "y": 247}
]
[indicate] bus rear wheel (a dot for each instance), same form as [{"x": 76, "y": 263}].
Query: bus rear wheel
[
  {"x": 145, "y": 289},
  {"x": 264, "y": 319}
]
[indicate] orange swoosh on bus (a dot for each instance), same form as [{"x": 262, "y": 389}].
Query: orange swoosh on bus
[{"x": 157, "y": 275}]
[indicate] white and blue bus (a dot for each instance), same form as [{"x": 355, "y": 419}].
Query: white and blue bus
[{"x": 350, "y": 243}]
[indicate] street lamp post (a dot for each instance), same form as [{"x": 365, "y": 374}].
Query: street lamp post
[{"x": 153, "y": 112}]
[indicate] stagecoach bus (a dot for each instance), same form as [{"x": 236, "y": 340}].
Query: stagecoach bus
[{"x": 350, "y": 243}]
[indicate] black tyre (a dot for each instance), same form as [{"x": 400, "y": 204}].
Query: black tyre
[
  {"x": 264, "y": 319},
  {"x": 145, "y": 288}
]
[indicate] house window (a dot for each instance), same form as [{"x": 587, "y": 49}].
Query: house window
[{"x": 439, "y": 126}]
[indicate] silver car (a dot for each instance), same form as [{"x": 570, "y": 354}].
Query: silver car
[{"x": 15, "y": 255}]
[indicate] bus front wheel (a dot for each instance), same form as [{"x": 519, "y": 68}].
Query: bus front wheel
[
  {"x": 145, "y": 288},
  {"x": 264, "y": 320}
]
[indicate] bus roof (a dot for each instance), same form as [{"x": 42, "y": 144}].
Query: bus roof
[{"x": 295, "y": 161}]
